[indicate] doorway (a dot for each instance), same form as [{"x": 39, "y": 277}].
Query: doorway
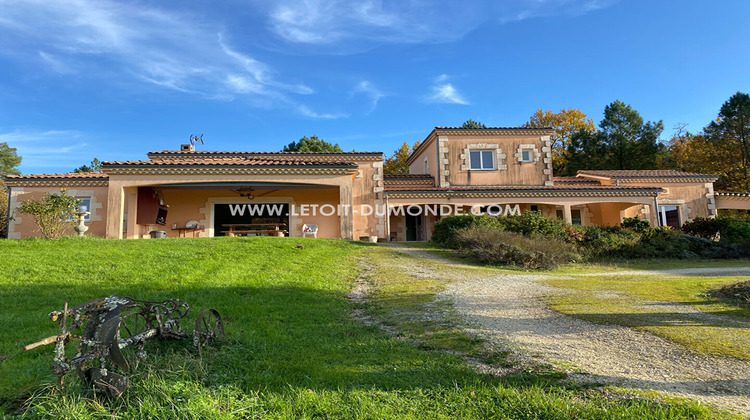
[{"x": 414, "y": 228}]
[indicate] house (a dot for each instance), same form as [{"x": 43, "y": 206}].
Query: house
[{"x": 454, "y": 170}]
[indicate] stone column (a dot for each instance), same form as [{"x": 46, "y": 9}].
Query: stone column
[
  {"x": 115, "y": 210},
  {"x": 567, "y": 215},
  {"x": 132, "y": 228},
  {"x": 346, "y": 207}
]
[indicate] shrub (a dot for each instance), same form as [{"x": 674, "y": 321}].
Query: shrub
[
  {"x": 495, "y": 246},
  {"x": 446, "y": 228},
  {"x": 533, "y": 223},
  {"x": 636, "y": 224},
  {"x": 53, "y": 213},
  {"x": 730, "y": 229},
  {"x": 3, "y": 211}
]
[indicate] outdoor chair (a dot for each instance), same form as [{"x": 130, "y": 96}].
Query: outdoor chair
[{"x": 310, "y": 229}]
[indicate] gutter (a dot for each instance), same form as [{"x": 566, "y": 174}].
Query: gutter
[{"x": 387, "y": 218}]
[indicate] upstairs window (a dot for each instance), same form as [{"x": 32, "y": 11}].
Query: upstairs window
[
  {"x": 527, "y": 155},
  {"x": 482, "y": 160}
]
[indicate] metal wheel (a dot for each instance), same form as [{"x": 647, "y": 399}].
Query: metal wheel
[
  {"x": 208, "y": 327},
  {"x": 131, "y": 345}
]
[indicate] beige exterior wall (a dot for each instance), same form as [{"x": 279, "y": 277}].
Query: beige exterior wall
[
  {"x": 732, "y": 203},
  {"x": 429, "y": 153},
  {"x": 24, "y": 226},
  {"x": 508, "y": 170}
]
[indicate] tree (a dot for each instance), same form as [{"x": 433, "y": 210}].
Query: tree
[
  {"x": 566, "y": 123},
  {"x": 730, "y": 136},
  {"x": 396, "y": 164},
  {"x": 472, "y": 124},
  {"x": 53, "y": 213},
  {"x": 96, "y": 166},
  {"x": 312, "y": 144},
  {"x": 9, "y": 160},
  {"x": 623, "y": 141}
]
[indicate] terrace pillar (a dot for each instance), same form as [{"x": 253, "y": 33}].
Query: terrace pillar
[
  {"x": 132, "y": 199},
  {"x": 567, "y": 214},
  {"x": 346, "y": 216},
  {"x": 115, "y": 210}
]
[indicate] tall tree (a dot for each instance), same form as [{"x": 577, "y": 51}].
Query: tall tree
[
  {"x": 396, "y": 164},
  {"x": 623, "y": 141},
  {"x": 9, "y": 160},
  {"x": 730, "y": 135},
  {"x": 95, "y": 166},
  {"x": 472, "y": 124},
  {"x": 312, "y": 144},
  {"x": 566, "y": 123}
]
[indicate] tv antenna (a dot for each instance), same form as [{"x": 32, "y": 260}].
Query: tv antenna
[{"x": 196, "y": 139}]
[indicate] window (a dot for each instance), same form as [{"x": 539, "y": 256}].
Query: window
[
  {"x": 534, "y": 207},
  {"x": 527, "y": 155},
  {"x": 86, "y": 202},
  {"x": 669, "y": 216},
  {"x": 575, "y": 216},
  {"x": 85, "y": 205},
  {"x": 482, "y": 159}
]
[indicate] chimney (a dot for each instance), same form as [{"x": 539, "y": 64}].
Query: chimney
[{"x": 187, "y": 148}]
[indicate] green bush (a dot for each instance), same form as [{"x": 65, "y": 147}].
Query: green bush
[
  {"x": 53, "y": 214},
  {"x": 729, "y": 229},
  {"x": 495, "y": 246},
  {"x": 636, "y": 223},
  {"x": 533, "y": 223},
  {"x": 446, "y": 228}
]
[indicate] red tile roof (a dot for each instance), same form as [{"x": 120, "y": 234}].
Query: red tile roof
[
  {"x": 69, "y": 175},
  {"x": 574, "y": 180},
  {"x": 223, "y": 161},
  {"x": 407, "y": 176},
  {"x": 643, "y": 174}
]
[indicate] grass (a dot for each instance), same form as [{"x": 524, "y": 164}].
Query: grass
[
  {"x": 293, "y": 349},
  {"x": 675, "y": 307}
]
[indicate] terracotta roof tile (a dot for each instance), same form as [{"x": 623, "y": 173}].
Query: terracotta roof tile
[
  {"x": 240, "y": 153},
  {"x": 643, "y": 174},
  {"x": 70, "y": 175},
  {"x": 407, "y": 176},
  {"x": 574, "y": 180},
  {"x": 223, "y": 161},
  {"x": 493, "y": 128}
]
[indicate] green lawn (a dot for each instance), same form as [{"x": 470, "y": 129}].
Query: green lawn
[
  {"x": 293, "y": 349},
  {"x": 672, "y": 306}
]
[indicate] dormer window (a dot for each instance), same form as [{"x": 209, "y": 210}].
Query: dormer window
[{"x": 482, "y": 160}]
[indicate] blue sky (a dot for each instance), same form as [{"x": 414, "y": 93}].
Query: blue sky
[{"x": 117, "y": 79}]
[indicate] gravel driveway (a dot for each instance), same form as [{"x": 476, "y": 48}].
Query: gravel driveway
[{"x": 508, "y": 309}]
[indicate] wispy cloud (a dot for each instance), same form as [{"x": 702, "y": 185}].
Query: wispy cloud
[
  {"x": 368, "y": 89},
  {"x": 345, "y": 25},
  {"x": 42, "y": 149},
  {"x": 445, "y": 92},
  {"x": 306, "y": 111},
  {"x": 105, "y": 38}
]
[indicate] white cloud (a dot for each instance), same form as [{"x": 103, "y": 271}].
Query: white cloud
[
  {"x": 105, "y": 38},
  {"x": 42, "y": 149},
  {"x": 358, "y": 24},
  {"x": 306, "y": 111},
  {"x": 444, "y": 92},
  {"x": 367, "y": 88}
]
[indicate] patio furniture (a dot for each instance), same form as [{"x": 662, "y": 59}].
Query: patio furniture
[
  {"x": 310, "y": 229},
  {"x": 255, "y": 229},
  {"x": 183, "y": 231}
]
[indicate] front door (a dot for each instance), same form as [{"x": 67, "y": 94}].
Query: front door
[{"x": 413, "y": 228}]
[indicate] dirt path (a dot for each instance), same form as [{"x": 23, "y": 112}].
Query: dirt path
[{"x": 508, "y": 309}]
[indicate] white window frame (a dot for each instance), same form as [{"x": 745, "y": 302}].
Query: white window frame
[{"x": 481, "y": 159}]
